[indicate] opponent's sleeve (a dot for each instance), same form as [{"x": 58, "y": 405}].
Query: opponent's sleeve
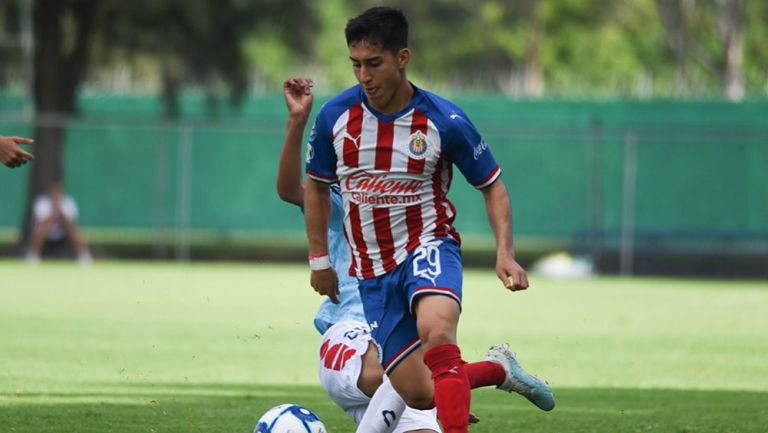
[
  {"x": 321, "y": 157},
  {"x": 467, "y": 149}
]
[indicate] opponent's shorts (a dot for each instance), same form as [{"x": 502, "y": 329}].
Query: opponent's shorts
[
  {"x": 432, "y": 269},
  {"x": 341, "y": 350}
]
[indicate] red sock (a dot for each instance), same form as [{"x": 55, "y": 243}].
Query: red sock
[
  {"x": 452, "y": 392},
  {"x": 484, "y": 373}
]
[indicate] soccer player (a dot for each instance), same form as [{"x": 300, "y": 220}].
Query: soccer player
[
  {"x": 391, "y": 146},
  {"x": 11, "y": 154},
  {"x": 348, "y": 364}
]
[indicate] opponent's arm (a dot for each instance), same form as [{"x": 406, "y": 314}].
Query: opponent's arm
[
  {"x": 298, "y": 99},
  {"x": 317, "y": 211},
  {"x": 500, "y": 217}
]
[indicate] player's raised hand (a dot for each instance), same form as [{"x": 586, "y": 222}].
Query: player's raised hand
[
  {"x": 11, "y": 154},
  {"x": 325, "y": 283},
  {"x": 298, "y": 96},
  {"x": 511, "y": 274}
]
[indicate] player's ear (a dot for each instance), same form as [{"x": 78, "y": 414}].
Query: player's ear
[{"x": 403, "y": 56}]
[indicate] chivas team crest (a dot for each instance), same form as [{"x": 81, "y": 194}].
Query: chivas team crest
[{"x": 418, "y": 144}]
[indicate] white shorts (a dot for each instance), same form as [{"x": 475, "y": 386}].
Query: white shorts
[{"x": 340, "y": 363}]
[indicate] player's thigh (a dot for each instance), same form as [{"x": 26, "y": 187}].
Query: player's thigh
[
  {"x": 437, "y": 318},
  {"x": 413, "y": 381},
  {"x": 434, "y": 288}
]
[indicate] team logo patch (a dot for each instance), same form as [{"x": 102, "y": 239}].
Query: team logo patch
[
  {"x": 418, "y": 144},
  {"x": 310, "y": 152}
]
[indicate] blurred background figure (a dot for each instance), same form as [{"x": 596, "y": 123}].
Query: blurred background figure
[
  {"x": 11, "y": 154},
  {"x": 55, "y": 229}
]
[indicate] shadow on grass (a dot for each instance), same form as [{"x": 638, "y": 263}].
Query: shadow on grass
[{"x": 189, "y": 407}]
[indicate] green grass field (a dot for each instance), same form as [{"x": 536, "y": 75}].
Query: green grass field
[{"x": 142, "y": 347}]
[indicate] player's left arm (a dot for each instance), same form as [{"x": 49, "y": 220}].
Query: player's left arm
[
  {"x": 499, "y": 210},
  {"x": 468, "y": 150}
]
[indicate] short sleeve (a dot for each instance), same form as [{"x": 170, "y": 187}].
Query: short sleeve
[
  {"x": 467, "y": 149},
  {"x": 42, "y": 208},
  {"x": 69, "y": 208},
  {"x": 321, "y": 157}
]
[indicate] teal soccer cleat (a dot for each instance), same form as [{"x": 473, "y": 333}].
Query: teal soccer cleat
[{"x": 518, "y": 380}]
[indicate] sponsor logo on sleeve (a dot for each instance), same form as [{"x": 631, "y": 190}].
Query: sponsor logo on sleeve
[
  {"x": 311, "y": 152},
  {"x": 479, "y": 149},
  {"x": 313, "y": 133}
]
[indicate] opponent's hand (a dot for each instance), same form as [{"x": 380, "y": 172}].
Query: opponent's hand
[
  {"x": 298, "y": 96},
  {"x": 511, "y": 274},
  {"x": 11, "y": 154},
  {"x": 325, "y": 283},
  {"x": 473, "y": 419}
]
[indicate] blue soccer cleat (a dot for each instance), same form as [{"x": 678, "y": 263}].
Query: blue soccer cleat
[{"x": 518, "y": 380}]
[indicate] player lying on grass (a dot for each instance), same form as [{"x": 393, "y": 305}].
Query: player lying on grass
[{"x": 348, "y": 365}]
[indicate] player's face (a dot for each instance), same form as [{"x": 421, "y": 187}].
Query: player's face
[{"x": 379, "y": 71}]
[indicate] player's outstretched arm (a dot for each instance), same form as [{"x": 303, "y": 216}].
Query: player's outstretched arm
[
  {"x": 298, "y": 99},
  {"x": 317, "y": 212},
  {"x": 11, "y": 154},
  {"x": 511, "y": 274}
]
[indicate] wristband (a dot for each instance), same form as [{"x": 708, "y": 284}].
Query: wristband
[{"x": 319, "y": 262}]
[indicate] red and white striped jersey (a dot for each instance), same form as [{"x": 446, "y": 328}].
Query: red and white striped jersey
[{"x": 394, "y": 172}]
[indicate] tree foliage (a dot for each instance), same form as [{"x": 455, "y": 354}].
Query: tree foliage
[{"x": 523, "y": 48}]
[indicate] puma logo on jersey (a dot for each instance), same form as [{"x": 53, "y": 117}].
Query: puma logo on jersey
[{"x": 355, "y": 140}]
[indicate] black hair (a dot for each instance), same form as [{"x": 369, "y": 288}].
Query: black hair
[{"x": 380, "y": 25}]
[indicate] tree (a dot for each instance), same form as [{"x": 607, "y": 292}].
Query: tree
[
  {"x": 200, "y": 42},
  {"x": 61, "y": 61},
  {"x": 730, "y": 28},
  {"x": 193, "y": 41}
]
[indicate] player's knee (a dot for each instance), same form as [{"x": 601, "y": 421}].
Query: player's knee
[
  {"x": 420, "y": 400},
  {"x": 436, "y": 336}
]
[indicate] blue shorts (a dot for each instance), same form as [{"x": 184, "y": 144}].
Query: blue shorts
[{"x": 388, "y": 300}]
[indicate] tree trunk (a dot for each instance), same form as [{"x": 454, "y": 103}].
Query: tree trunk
[
  {"x": 58, "y": 74},
  {"x": 674, "y": 14},
  {"x": 534, "y": 75},
  {"x": 730, "y": 26}
]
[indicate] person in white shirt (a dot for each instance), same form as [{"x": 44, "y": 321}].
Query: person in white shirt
[{"x": 55, "y": 215}]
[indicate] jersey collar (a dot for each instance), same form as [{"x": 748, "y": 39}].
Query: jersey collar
[{"x": 390, "y": 117}]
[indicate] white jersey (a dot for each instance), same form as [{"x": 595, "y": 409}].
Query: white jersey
[
  {"x": 43, "y": 208},
  {"x": 340, "y": 363}
]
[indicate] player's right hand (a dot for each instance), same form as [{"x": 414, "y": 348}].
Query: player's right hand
[
  {"x": 325, "y": 283},
  {"x": 298, "y": 96},
  {"x": 11, "y": 154}
]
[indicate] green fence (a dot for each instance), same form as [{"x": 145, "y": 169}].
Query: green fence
[{"x": 581, "y": 175}]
